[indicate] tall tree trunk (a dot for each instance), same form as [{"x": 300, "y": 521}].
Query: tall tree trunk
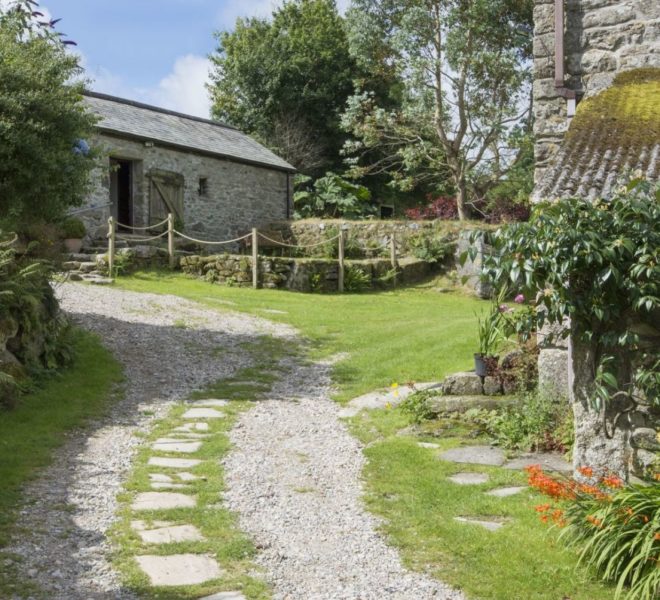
[{"x": 461, "y": 199}]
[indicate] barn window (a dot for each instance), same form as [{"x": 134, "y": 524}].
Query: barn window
[{"x": 203, "y": 186}]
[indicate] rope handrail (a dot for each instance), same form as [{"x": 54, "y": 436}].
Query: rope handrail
[
  {"x": 149, "y": 239},
  {"x": 211, "y": 243},
  {"x": 134, "y": 228},
  {"x": 272, "y": 241}
]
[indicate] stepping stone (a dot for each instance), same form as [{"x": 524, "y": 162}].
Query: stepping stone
[
  {"x": 176, "y": 446},
  {"x": 171, "y": 534},
  {"x": 188, "y": 427},
  {"x": 187, "y": 435},
  {"x": 476, "y": 455},
  {"x": 225, "y": 596},
  {"x": 160, "y": 477},
  {"x": 142, "y": 525},
  {"x": 184, "y": 476},
  {"x": 489, "y": 525},
  {"x": 210, "y": 402},
  {"x": 163, "y": 501},
  {"x": 428, "y": 445},
  {"x": 203, "y": 413},
  {"x": 158, "y": 485},
  {"x": 506, "y": 491},
  {"x": 173, "y": 463},
  {"x": 548, "y": 462},
  {"x": 469, "y": 478},
  {"x": 179, "y": 569}
]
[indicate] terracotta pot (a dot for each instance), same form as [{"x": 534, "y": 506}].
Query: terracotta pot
[{"x": 73, "y": 245}]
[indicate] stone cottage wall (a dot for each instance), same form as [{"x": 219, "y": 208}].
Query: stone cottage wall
[
  {"x": 602, "y": 38},
  {"x": 239, "y": 196}
]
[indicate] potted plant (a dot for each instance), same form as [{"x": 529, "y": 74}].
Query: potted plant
[
  {"x": 489, "y": 338},
  {"x": 73, "y": 231}
]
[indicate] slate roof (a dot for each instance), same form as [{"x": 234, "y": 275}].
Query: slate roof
[
  {"x": 612, "y": 135},
  {"x": 126, "y": 118}
]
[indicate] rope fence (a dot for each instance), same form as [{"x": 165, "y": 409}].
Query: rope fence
[{"x": 254, "y": 236}]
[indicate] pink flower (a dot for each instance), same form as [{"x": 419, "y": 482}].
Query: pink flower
[
  {"x": 504, "y": 308},
  {"x": 519, "y": 299}
]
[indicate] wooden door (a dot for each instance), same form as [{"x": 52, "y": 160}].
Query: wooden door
[{"x": 165, "y": 196}]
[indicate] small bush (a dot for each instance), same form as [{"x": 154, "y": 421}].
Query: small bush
[
  {"x": 432, "y": 249},
  {"x": 73, "y": 229},
  {"x": 443, "y": 207},
  {"x": 356, "y": 280},
  {"x": 416, "y": 406}
]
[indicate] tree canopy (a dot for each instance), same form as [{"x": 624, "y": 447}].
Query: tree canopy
[
  {"x": 285, "y": 80},
  {"x": 464, "y": 66},
  {"x": 44, "y": 160}
]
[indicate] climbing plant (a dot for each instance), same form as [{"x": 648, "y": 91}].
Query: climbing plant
[{"x": 597, "y": 263}]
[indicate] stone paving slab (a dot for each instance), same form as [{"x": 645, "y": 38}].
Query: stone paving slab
[
  {"x": 428, "y": 445},
  {"x": 138, "y": 525},
  {"x": 160, "y": 477},
  {"x": 203, "y": 413},
  {"x": 189, "y": 435},
  {"x": 225, "y": 596},
  {"x": 469, "y": 478},
  {"x": 177, "y": 446},
  {"x": 193, "y": 427},
  {"x": 383, "y": 398},
  {"x": 171, "y": 534},
  {"x": 486, "y": 524},
  {"x": 476, "y": 455},
  {"x": 505, "y": 492},
  {"x": 548, "y": 461},
  {"x": 212, "y": 402},
  {"x": 185, "y": 476},
  {"x": 179, "y": 569},
  {"x": 163, "y": 501},
  {"x": 173, "y": 463},
  {"x": 163, "y": 485}
]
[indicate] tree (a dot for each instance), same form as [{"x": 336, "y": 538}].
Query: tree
[
  {"x": 44, "y": 161},
  {"x": 286, "y": 81},
  {"x": 464, "y": 63}
]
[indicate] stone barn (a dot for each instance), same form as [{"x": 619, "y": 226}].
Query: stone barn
[
  {"x": 217, "y": 181},
  {"x": 596, "y": 121}
]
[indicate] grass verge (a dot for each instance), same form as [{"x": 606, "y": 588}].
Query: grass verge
[
  {"x": 407, "y": 485},
  {"x": 38, "y": 425},
  {"x": 409, "y": 334},
  {"x": 223, "y": 540}
]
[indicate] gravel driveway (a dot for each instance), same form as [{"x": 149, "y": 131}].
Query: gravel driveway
[{"x": 293, "y": 476}]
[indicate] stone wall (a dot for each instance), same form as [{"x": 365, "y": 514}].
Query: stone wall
[
  {"x": 602, "y": 38},
  {"x": 238, "y": 196},
  {"x": 299, "y": 274}
]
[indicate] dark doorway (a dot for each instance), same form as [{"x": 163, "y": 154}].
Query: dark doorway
[{"x": 121, "y": 190}]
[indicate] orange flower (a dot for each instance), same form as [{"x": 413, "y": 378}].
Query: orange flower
[
  {"x": 612, "y": 481},
  {"x": 656, "y": 536},
  {"x": 586, "y": 471},
  {"x": 542, "y": 508},
  {"x": 594, "y": 521},
  {"x": 656, "y": 476}
]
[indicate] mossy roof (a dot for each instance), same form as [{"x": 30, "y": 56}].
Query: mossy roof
[{"x": 613, "y": 134}]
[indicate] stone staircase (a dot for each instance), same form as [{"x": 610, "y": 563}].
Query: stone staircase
[{"x": 88, "y": 267}]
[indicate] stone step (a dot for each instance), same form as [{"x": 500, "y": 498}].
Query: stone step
[
  {"x": 179, "y": 569},
  {"x": 162, "y": 501}
]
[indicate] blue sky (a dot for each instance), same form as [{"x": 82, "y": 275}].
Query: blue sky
[{"x": 154, "y": 51}]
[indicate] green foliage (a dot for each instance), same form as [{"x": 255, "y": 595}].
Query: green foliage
[
  {"x": 73, "y": 228},
  {"x": 466, "y": 72},
  {"x": 431, "y": 248},
  {"x": 286, "y": 80},
  {"x": 539, "y": 422},
  {"x": 44, "y": 164},
  {"x": 619, "y": 537},
  {"x": 356, "y": 280},
  {"x": 331, "y": 196},
  {"x": 416, "y": 406},
  {"x": 599, "y": 264}
]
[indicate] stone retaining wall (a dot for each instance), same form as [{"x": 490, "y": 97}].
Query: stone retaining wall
[{"x": 299, "y": 274}]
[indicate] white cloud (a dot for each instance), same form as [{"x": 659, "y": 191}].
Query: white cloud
[{"x": 184, "y": 89}]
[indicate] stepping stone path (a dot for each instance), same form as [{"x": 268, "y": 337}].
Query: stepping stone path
[
  {"x": 189, "y": 427},
  {"x": 169, "y": 534},
  {"x": 203, "y": 413},
  {"x": 225, "y": 596},
  {"x": 173, "y": 463},
  {"x": 383, "y": 398},
  {"x": 469, "y": 478},
  {"x": 170, "y": 445},
  {"x": 428, "y": 445},
  {"x": 162, "y": 501},
  {"x": 179, "y": 569},
  {"x": 476, "y": 455},
  {"x": 548, "y": 462},
  {"x": 486, "y": 524},
  {"x": 210, "y": 402},
  {"x": 505, "y": 492}
]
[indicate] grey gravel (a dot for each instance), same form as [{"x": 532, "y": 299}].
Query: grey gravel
[
  {"x": 294, "y": 478},
  {"x": 70, "y": 507}
]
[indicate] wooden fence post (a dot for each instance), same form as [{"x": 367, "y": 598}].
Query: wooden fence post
[
  {"x": 111, "y": 247},
  {"x": 170, "y": 238},
  {"x": 340, "y": 274},
  {"x": 393, "y": 258},
  {"x": 255, "y": 258}
]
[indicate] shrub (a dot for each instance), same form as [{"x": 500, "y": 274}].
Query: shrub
[
  {"x": 431, "y": 248},
  {"x": 416, "y": 406},
  {"x": 356, "y": 280},
  {"x": 616, "y": 527},
  {"x": 73, "y": 228},
  {"x": 442, "y": 207},
  {"x": 331, "y": 196}
]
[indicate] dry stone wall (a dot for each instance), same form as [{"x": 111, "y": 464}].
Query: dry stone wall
[{"x": 602, "y": 38}]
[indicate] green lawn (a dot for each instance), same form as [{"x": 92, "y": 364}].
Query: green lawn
[
  {"x": 412, "y": 334},
  {"x": 31, "y": 432}
]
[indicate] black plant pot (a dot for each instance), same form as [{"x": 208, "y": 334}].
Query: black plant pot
[{"x": 480, "y": 367}]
